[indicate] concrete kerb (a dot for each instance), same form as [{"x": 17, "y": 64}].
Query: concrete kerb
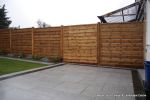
[{"x": 11, "y": 75}]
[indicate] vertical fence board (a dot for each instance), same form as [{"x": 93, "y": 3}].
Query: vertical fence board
[
  {"x": 98, "y": 43},
  {"x": 10, "y": 40},
  {"x": 32, "y": 32},
  {"x": 61, "y": 41}
]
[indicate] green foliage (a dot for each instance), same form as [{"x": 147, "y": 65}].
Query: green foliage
[
  {"x": 42, "y": 24},
  {"x": 2, "y": 52},
  {"x": 4, "y": 20},
  {"x": 35, "y": 57},
  {"x": 56, "y": 59},
  {"x": 20, "y": 55}
]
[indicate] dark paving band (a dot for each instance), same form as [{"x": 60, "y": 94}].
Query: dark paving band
[{"x": 138, "y": 85}]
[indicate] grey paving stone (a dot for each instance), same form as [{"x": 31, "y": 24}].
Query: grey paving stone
[
  {"x": 16, "y": 94},
  {"x": 92, "y": 91},
  {"x": 106, "y": 98},
  {"x": 45, "y": 91},
  {"x": 71, "y": 87},
  {"x": 71, "y": 78},
  {"x": 70, "y": 96},
  {"x": 125, "y": 98}
]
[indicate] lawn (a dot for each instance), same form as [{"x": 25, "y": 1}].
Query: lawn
[{"x": 10, "y": 66}]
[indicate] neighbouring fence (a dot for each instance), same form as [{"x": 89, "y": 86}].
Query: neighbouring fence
[{"x": 116, "y": 44}]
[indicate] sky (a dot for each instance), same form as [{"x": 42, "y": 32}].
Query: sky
[{"x": 25, "y": 13}]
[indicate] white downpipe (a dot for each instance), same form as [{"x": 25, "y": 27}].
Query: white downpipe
[{"x": 147, "y": 31}]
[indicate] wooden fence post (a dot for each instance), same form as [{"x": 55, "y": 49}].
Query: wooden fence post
[
  {"x": 61, "y": 41},
  {"x": 10, "y": 43},
  {"x": 98, "y": 43},
  {"x": 32, "y": 32},
  {"x": 144, "y": 39}
]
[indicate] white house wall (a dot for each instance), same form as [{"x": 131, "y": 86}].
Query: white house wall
[{"x": 148, "y": 30}]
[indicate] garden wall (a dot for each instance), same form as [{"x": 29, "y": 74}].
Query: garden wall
[{"x": 116, "y": 44}]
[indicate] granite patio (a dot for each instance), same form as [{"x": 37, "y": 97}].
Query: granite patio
[{"x": 70, "y": 82}]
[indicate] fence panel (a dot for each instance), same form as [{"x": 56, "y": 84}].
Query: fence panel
[
  {"x": 5, "y": 40},
  {"x": 121, "y": 44},
  {"x": 80, "y": 43},
  {"x": 21, "y": 41},
  {"x": 47, "y": 42}
]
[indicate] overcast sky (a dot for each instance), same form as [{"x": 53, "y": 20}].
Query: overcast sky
[{"x": 59, "y": 12}]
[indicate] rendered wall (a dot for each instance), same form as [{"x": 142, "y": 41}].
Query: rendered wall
[{"x": 148, "y": 31}]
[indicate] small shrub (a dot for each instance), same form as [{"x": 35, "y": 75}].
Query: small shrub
[
  {"x": 2, "y": 52},
  {"x": 35, "y": 57},
  {"x": 20, "y": 55},
  {"x": 45, "y": 59},
  {"x": 56, "y": 59},
  {"x": 29, "y": 57},
  {"x": 11, "y": 55}
]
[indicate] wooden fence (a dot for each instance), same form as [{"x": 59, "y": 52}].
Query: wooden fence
[{"x": 119, "y": 44}]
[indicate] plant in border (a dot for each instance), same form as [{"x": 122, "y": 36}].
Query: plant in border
[
  {"x": 2, "y": 52},
  {"x": 20, "y": 55},
  {"x": 56, "y": 59},
  {"x": 36, "y": 57}
]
